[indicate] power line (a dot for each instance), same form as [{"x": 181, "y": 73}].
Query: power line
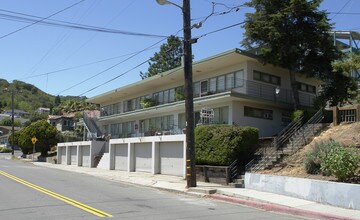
[
  {"x": 104, "y": 83},
  {"x": 107, "y": 69},
  {"x": 341, "y": 9},
  {"x": 64, "y": 24},
  {"x": 79, "y": 66},
  {"x": 62, "y": 10},
  {"x": 221, "y": 29}
]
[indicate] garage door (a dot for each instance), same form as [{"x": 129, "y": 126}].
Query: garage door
[
  {"x": 121, "y": 157},
  {"x": 143, "y": 157},
  {"x": 62, "y": 155},
  {"x": 85, "y": 156},
  {"x": 73, "y": 155},
  {"x": 171, "y": 158}
]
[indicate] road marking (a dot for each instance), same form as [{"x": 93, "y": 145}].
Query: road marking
[{"x": 77, "y": 204}]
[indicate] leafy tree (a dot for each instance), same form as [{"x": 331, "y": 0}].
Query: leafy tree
[
  {"x": 46, "y": 134},
  {"x": 167, "y": 58},
  {"x": 57, "y": 100},
  {"x": 348, "y": 64},
  {"x": 293, "y": 34},
  {"x": 76, "y": 106},
  {"x": 8, "y": 122},
  {"x": 338, "y": 89}
]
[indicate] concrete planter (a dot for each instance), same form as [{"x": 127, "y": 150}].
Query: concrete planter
[{"x": 343, "y": 195}]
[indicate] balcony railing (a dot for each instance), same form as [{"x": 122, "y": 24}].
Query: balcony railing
[{"x": 245, "y": 88}]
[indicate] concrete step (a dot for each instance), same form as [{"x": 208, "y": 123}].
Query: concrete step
[{"x": 104, "y": 162}]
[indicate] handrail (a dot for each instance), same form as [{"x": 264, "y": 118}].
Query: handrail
[
  {"x": 283, "y": 137},
  {"x": 233, "y": 168}
]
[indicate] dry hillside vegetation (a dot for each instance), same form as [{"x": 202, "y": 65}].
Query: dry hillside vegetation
[{"x": 346, "y": 134}]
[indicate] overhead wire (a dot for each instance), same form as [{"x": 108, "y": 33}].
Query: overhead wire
[
  {"x": 109, "y": 68},
  {"x": 64, "y": 24},
  {"x": 58, "y": 12}
]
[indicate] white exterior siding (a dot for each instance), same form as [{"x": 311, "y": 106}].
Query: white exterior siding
[
  {"x": 172, "y": 158},
  {"x": 85, "y": 156},
  {"x": 121, "y": 156},
  {"x": 143, "y": 155},
  {"x": 207, "y": 73}
]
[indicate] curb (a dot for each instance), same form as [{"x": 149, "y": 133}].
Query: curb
[{"x": 278, "y": 208}]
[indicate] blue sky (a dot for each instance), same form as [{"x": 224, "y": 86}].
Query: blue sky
[{"x": 40, "y": 53}]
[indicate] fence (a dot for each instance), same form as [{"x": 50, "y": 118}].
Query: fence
[{"x": 346, "y": 114}]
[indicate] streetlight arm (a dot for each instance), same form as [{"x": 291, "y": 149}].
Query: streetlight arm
[{"x": 165, "y": 2}]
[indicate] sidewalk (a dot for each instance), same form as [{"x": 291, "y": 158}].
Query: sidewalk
[{"x": 258, "y": 199}]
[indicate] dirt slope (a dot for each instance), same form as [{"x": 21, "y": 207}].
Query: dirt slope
[{"x": 347, "y": 134}]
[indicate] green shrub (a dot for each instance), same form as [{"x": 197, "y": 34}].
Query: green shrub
[
  {"x": 222, "y": 144},
  {"x": 340, "y": 162},
  {"x": 331, "y": 158},
  {"x": 5, "y": 150},
  {"x": 296, "y": 115},
  {"x": 313, "y": 158}
]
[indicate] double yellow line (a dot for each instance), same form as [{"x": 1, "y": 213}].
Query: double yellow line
[{"x": 58, "y": 196}]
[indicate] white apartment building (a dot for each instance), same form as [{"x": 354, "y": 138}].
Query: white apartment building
[{"x": 234, "y": 86}]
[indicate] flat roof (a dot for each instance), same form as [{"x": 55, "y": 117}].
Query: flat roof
[{"x": 230, "y": 57}]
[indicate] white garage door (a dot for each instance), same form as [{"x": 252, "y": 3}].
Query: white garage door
[
  {"x": 62, "y": 155},
  {"x": 171, "y": 158},
  {"x": 143, "y": 157},
  {"x": 121, "y": 157},
  {"x": 73, "y": 155},
  {"x": 86, "y": 156}
]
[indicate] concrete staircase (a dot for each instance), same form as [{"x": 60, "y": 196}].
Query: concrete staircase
[
  {"x": 301, "y": 138},
  {"x": 290, "y": 140},
  {"x": 239, "y": 182},
  {"x": 104, "y": 162}
]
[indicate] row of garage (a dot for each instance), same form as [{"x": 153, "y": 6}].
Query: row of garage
[{"x": 157, "y": 154}]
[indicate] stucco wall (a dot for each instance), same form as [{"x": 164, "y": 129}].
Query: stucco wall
[{"x": 344, "y": 195}]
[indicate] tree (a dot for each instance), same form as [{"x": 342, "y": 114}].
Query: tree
[
  {"x": 293, "y": 34},
  {"x": 57, "y": 100},
  {"x": 348, "y": 64},
  {"x": 167, "y": 58},
  {"x": 46, "y": 134}
]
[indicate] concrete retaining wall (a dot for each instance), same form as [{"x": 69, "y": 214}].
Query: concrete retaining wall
[{"x": 344, "y": 195}]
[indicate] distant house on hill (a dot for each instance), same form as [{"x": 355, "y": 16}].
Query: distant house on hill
[
  {"x": 17, "y": 113},
  {"x": 63, "y": 122},
  {"x": 43, "y": 110},
  {"x": 4, "y": 135}
]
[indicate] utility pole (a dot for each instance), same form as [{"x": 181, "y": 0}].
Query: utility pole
[
  {"x": 189, "y": 99},
  {"x": 12, "y": 117}
]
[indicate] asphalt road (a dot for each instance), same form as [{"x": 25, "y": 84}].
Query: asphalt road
[{"x": 32, "y": 192}]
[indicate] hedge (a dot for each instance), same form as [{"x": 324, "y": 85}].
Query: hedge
[{"x": 220, "y": 145}]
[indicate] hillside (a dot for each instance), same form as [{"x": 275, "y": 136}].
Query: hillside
[
  {"x": 29, "y": 97},
  {"x": 346, "y": 134}
]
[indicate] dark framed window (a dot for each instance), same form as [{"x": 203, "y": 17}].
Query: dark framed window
[
  {"x": 265, "y": 77},
  {"x": 258, "y": 113},
  {"x": 306, "y": 88}
]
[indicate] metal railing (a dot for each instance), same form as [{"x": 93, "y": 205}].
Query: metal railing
[
  {"x": 233, "y": 169},
  {"x": 91, "y": 127},
  {"x": 249, "y": 88},
  {"x": 298, "y": 131}
]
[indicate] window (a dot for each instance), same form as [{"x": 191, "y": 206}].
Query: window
[
  {"x": 306, "y": 88},
  {"x": 268, "y": 78},
  {"x": 239, "y": 78},
  {"x": 221, "y": 83},
  {"x": 212, "y": 85},
  {"x": 196, "y": 89},
  {"x": 258, "y": 113},
  {"x": 221, "y": 115},
  {"x": 229, "y": 81},
  {"x": 204, "y": 87}
]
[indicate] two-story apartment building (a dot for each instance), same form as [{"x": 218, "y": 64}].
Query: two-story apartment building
[{"x": 234, "y": 85}]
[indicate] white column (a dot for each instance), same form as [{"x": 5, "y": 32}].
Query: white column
[
  {"x": 68, "y": 158},
  {"x": 155, "y": 153},
  {"x": 131, "y": 157},
  {"x": 79, "y": 155}
]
